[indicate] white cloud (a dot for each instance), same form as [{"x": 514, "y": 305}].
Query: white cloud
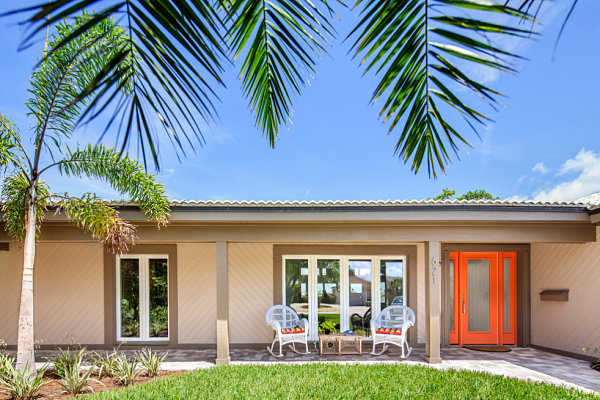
[
  {"x": 221, "y": 197},
  {"x": 541, "y": 168},
  {"x": 516, "y": 198},
  {"x": 165, "y": 173},
  {"x": 586, "y": 166}
]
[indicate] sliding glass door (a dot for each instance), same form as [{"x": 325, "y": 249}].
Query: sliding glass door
[{"x": 337, "y": 292}]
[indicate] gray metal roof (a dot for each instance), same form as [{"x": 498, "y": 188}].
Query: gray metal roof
[{"x": 340, "y": 204}]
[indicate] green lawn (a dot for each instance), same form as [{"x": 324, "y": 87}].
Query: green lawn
[{"x": 322, "y": 381}]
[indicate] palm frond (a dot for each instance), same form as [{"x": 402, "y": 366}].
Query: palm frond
[
  {"x": 124, "y": 175},
  {"x": 280, "y": 40},
  {"x": 421, "y": 48},
  {"x": 178, "y": 50},
  {"x": 15, "y": 198},
  {"x": 60, "y": 85},
  {"x": 102, "y": 221},
  {"x": 10, "y": 148}
]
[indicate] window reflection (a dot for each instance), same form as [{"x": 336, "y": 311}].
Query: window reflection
[
  {"x": 391, "y": 284},
  {"x": 130, "y": 303},
  {"x": 158, "y": 299}
]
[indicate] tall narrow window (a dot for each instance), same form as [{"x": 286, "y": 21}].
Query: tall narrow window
[
  {"x": 130, "y": 298},
  {"x": 359, "y": 296},
  {"x": 143, "y": 298},
  {"x": 296, "y": 285},
  {"x": 392, "y": 283},
  {"x": 328, "y": 291}
]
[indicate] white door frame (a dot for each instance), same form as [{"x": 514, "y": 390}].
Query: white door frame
[{"x": 144, "y": 317}]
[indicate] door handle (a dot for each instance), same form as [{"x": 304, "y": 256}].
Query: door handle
[{"x": 463, "y": 303}]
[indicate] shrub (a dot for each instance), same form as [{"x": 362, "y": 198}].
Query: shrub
[
  {"x": 594, "y": 364},
  {"x": 6, "y": 363},
  {"x": 74, "y": 381},
  {"x": 327, "y": 325},
  {"x": 66, "y": 360},
  {"x": 21, "y": 384},
  {"x": 106, "y": 364},
  {"x": 150, "y": 361},
  {"x": 126, "y": 372}
]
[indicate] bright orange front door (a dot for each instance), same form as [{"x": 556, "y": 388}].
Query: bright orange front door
[
  {"x": 478, "y": 279},
  {"x": 484, "y": 298}
]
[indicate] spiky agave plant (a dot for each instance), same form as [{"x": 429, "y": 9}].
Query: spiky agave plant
[{"x": 60, "y": 90}]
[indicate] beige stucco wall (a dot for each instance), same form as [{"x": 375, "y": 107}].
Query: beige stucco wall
[
  {"x": 574, "y": 324},
  {"x": 68, "y": 285},
  {"x": 197, "y": 292},
  {"x": 250, "y": 291}
]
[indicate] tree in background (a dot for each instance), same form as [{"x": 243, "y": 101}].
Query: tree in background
[
  {"x": 445, "y": 195},
  {"x": 478, "y": 194},
  {"x": 55, "y": 106}
]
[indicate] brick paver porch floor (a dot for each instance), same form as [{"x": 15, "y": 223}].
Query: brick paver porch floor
[{"x": 522, "y": 363}]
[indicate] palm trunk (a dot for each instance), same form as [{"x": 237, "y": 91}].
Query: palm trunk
[{"x": 26, "y": 341}]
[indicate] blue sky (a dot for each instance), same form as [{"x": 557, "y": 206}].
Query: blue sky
[{"x": 540, "y": 147}]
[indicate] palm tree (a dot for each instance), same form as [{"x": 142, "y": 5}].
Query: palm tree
[
  {"x": 420, "y": 49},
  {"x": 54, "y": 105}
]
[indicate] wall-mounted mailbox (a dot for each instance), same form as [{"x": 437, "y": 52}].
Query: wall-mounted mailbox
[{"x": 554, "y": 295}]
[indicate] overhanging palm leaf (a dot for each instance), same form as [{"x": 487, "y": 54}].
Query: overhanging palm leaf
[
  {"x": 281, "y": 39},
  {"x": 177, "y": 49},
  {"x": 420, "y": 47},
  {"x": 102, "y": 221},
  {"x": 123, "y": 174}
]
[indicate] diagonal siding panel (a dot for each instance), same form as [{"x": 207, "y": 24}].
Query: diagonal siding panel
[
  {"x": 69, "y": 293},
  {"x": 11, "y": 266},
  {"x": 250, "y": 291},
  {"x": 574, "y": 324},
  {"x": 197, "y": 292}
]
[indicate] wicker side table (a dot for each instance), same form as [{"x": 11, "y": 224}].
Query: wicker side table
[{"x": 338, "y": 344}]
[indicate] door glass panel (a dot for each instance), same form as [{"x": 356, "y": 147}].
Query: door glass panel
[
  {"x": 360, "y": 278},
  {"x": 507, "y": 309},
  {"x": 130, "y": 298},
  {"x": 479, "y": 295},
  {"x": 451, "y": 301},
  {"x": 328, "y": 292},
  {"x": 391, "y": 286},
  {"x": 296, "y": 286},
  {"x": 158, "y": 298}
]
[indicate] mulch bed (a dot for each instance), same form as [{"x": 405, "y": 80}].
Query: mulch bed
[{"x": 52, "y": 390}]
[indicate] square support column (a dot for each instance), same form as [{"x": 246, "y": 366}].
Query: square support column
[
  {"x": 223, "y": 357},
  {"x": 433, "y": 302}
]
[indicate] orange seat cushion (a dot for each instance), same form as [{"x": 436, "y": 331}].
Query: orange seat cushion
[
  {"x": 292, "y": 330},
  {"x": 389, "y": 331}
]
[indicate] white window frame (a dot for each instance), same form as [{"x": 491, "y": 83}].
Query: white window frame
[
  {"x": 144, "y": 288},
  {"x": 344, "y": 285}
]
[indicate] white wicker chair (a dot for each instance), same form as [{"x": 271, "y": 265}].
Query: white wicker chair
[
  {"x": 288, "y": 327},
  {"x": 390, "y": 328}
]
